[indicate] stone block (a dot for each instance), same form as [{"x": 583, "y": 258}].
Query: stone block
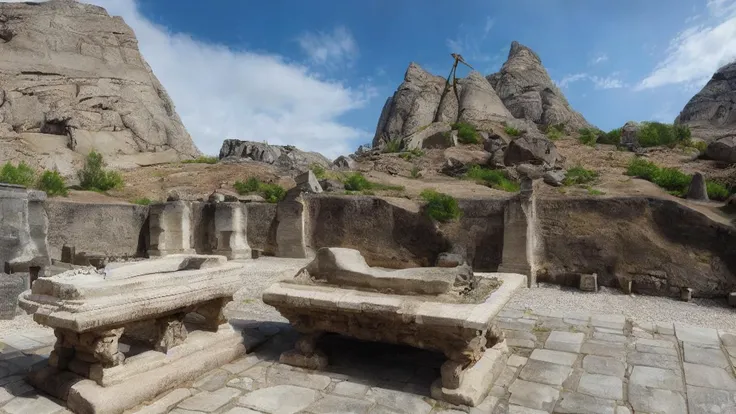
[
  {"x": 589, "y": 282},
  {"x": 732, "y": 299},
  {"x": 686, "y": 294},
  {"x": 602, "y": 386},
  {"x": 565, "y": 341},
  {"x": 10, "y": 287},
  {"x": 170, "y": 228},
  {"x": 696, "y": 334},
  {"x": 308, "y": 183},
  {"x": 545, "y": 372},
  {"x": 711, "y": 377},
  {"x": 533, "y": 395}
]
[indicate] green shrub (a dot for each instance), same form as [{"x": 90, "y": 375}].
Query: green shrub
[
  {"x": 52, "y": 183},
  {"x": 639, "y": 167},
  {"x": 94, "y": 177},
  {"x": 554, "y": 132},
  {"x": 393, "y": 145},
  {"x": 673, "y": 180},
  {"x": 512, "y": 131},
  {"x": 318, "y": 170},
  {"x": 441, "y": 207},
  {"x": 612, "y": 137},
  {"x": 466, "y": 133},
  {"x": 493, "y": 178},
  {"x": 652, "y": 134},
  {"x": 701, "y": 146},
  {"x": 142, "y": 201},
  {"x": 716, "y": 191},
  {"x": 411, "y": 154},
  {"x": 415, "y": 172},
  {"x": 273, "y": 193},
  {"x": 593, "y": 191},
  {"x": 357, "y": 182},
  {"x": 588, "y": 136},
  {"x": 22, "y": 174},
  {"x": 579, "y": 175},
  {"x": 205, "y": 159},
  {"x": 250, "y": 185}
]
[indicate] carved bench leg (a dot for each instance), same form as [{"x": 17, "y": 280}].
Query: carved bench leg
[
  {"x": 305, "y": 353},
  {"x": 170, "y": 332},
  {"x": 212, "y": 313}
]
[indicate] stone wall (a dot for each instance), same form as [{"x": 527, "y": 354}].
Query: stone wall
[
  {"x": 262, "y": 227},
  {"x": 112, "y": 230},
  {"x": 479, "y": 233},
  {"x": 658, "y": 245}
]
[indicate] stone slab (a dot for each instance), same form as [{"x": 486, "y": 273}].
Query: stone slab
[
  {"x": 333, "y": 404},
  {"x": 555, "y": 357},
  {"x": 165, "y": 403},
  {"x": 602, "y": 386},
  {"x": 711, "y": 377},
  {"x": 209, "y": 402},
  {"x": 708, "y": 400},
  {"x": 602, "y": 348},
  {"x": 654, "y": 400},
  {"x": 565, "y": 341},
  {"x": 697, "y": 334},
  {"x": 544, "y": 372},
  {"x": 648, "y": 377},
  {"x": 608, "y": 321},
  {"x": 713, "y": 357},
  {"x": 653, "y": 360},
  {"x": 477, "y": 380},
  {"x": 281, "y": 399},
  {"x": 576, "y": 403},
  {"x": 399, "y": 401},
  {"x": 533, "y": 395},
  {"x": 595, "y": 364}
]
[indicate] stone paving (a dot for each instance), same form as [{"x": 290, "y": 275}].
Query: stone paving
[{"x": 561, "y": 363}]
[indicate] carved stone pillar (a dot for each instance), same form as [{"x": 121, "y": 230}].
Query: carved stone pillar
[
  {"x": 170, "y": 226},
  {"x": 231, "y": 230}
]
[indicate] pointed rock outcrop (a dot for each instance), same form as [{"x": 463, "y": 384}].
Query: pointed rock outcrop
[
  {"x": 711, "y": 114},
  {"x": 423, "y": 99},
  {"x": 529, "y": 93},
  {"x": 72, "y": 71}
]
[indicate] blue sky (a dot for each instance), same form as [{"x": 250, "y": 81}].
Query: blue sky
[{"x": 316, "y": 73}]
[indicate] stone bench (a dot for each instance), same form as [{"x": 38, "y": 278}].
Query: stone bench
[
  {"x": 339, "y": 293},
  {"x": 122, "y": 337}
]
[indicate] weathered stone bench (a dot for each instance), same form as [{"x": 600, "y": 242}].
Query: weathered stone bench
[
  {"x": 449, "y": 310},
  {"x": 136, "y": 308}
]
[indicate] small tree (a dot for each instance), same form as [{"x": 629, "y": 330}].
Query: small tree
[
  {"x": 94, "y": 177},
  {"x": 22, "y": 174},
  {"x": 52, "y": 183}
]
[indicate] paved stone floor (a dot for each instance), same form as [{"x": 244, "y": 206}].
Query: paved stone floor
[{"x": 562, "y": 363}]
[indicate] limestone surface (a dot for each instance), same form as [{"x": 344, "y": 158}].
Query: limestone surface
[{"x": 74, "y": 80}]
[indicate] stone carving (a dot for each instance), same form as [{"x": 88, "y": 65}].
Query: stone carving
[
  {"x": 97, "y": 315},
  {"x": 444, "y": 309},
  {"x": 231, "y": 230},
  {"x": 588, "y": 282},
  {"x": 170, "y": 226}
]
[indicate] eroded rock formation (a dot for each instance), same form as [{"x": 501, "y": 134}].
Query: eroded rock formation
[
  {"x": 72, "y": 79},
  {"x": 288, "y": 157},
  {"x": 529, "y": 93},
  {"x": 711, "y": 114}
]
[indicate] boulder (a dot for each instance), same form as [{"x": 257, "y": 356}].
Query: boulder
[
  {"x": 434, "y": 135},
  {"x": 412, "y": 106},
  {"x": 533, "y": 149},
  {"x": 530, "y": 171},
  {"x": 454, "y": 168},
  {"x": 344, "y": 163},
  {"x": 331, "y": 185},
  {"x": 723, "y": 149},
  {"x": 554, "y": 178},
  {"x": 630, "y": 136},
  {"x": 711, "y": 113},
  {"x": 288, "y": 157},
  {"x": 450, "y": 260},
  {"x": 697, "y": 190},
  {"x": 496, "y": 146},
  {"x": 307, "y": 182},
  {"x": 529, "y": 93},
  {"x": 479, "y": 103},
  {"x": 73, "y": 74}
]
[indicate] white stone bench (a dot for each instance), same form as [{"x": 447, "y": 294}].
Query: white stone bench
[
  {"x": 464, "y": 332},
  {"x": 141, "y": 306}
]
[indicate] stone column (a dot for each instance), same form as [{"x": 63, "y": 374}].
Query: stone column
[
  {"x": 514, "y": 255},
  {"x": 291, "y": 217},
  {"x": 170, "y": 226},
  {"x": 231, "y": 231}
]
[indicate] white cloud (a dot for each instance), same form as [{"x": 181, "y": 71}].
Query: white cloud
[
  {"x": 222, "y": 93},
  {"x": 698, "y": 51},
  {"x": 568, "y": 79},
  {"x": 490, "y": 22},
  {"x": 332, "y": 50},
  {"x": 468, "y": 43},
  {"x": 599, "y": 59},
  {"x": 600, "y": 82}
]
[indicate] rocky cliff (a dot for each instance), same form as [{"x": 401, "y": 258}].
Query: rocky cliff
[
  {"x": 284, "y": 156},
  {"x": 711, "y": 114},
  {"x": 521, "y": 93},
  {"x": 72, "y": 79},
  {"x": 529, "y": 93}
]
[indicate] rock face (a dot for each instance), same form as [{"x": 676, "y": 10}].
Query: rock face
[
  {"x": 698, "y": 189},
  {"x": 711, "y": 113},
  {"x": 528, "y": 92},
  {"x": 288, "y": 157},
  {"x": 723, "y": 149},
  {"x": 72, "y": 78},
  {"x": 422, "y": 99},
  {"x": 629, "y": 136},
  {"x": 531, "y": 148}
]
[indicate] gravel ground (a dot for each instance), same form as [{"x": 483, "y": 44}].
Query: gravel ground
[{"x": 711, "y": 313}]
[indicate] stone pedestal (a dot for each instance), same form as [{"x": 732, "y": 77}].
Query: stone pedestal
[
  {"x": 290, "y": 237},
  {"x": 686, "y": 294},
  {"x": 514, "y": 255},
  {"x": 170, "y": 226},
  {"x": 588, "y": 282},
  {"x": 231, "y": 231},
  {"x": 732, "y": 299}
]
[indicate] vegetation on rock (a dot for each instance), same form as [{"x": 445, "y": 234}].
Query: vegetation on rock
[
  {"x": 392, "y": 146},
  {"x": 22, "y": 174},
  {"x": 612, "y": 137},
  {"x": 555, "y": 132},
  {"x": 441, "y": 207},
  {"x": 52, "y": 183},
  {"x": 272, "y": 193},
  {"x": 415, "y": 172},
  {"x": 466, "y": 133},
  {"x": 356, "y": 182},
  {"x": 579, "y": 175},
  {"x": 671, "y": 179},
  {"x": 204, "y": 159},
  {"x": 319, "y": 171},
  {"x": 411, "y": 154},
  {"x": 142, "y": 201},
  {"x": 509, "y": 130},
  {"x": 94, "y": 177},
  {"x": 588, "y": 136},
  {"x": 652, "y": 134},
  {"x": 493, "y": 178}
]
